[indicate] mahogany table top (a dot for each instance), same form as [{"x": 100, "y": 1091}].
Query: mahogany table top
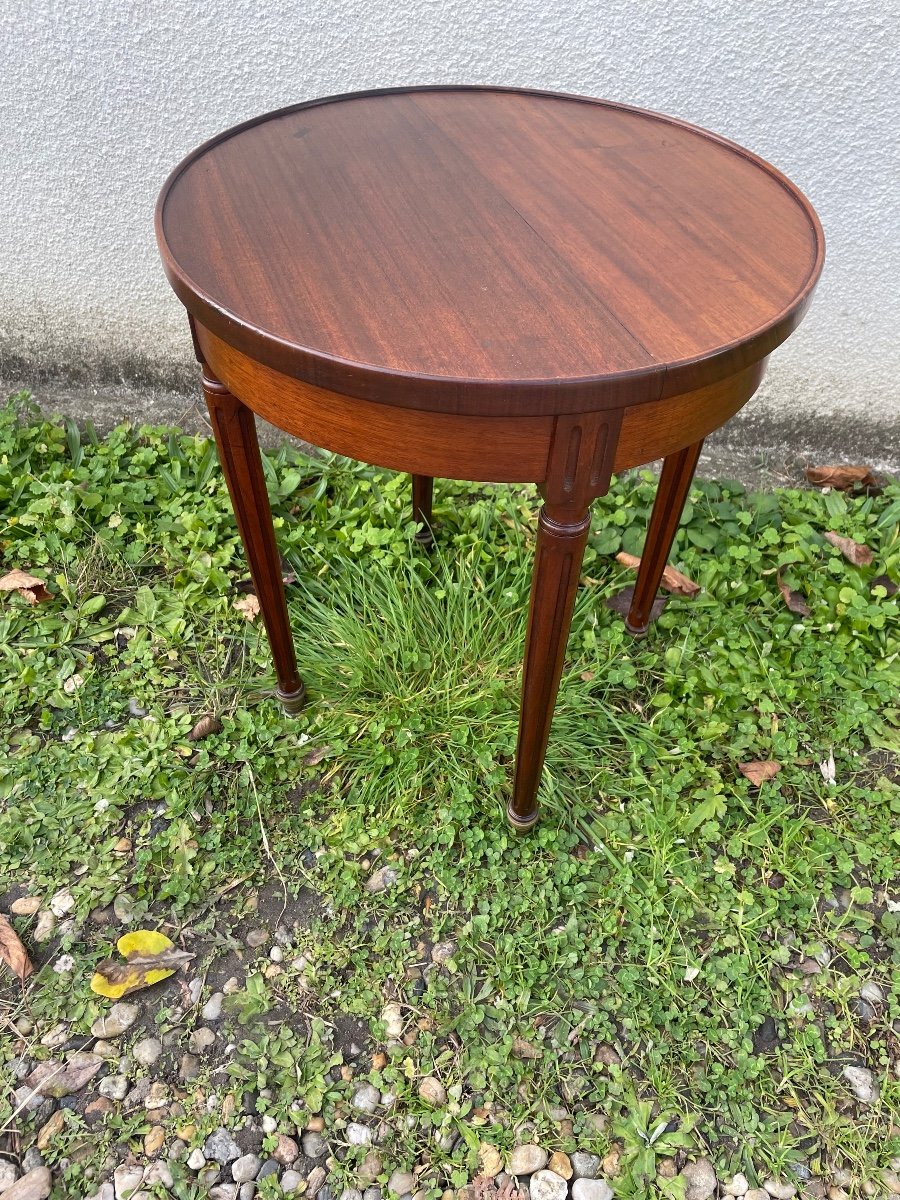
[{"x": 488, "y": 250}]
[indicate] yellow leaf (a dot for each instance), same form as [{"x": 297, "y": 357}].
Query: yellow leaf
[
  {"x": 143, "y": 942},
  {"x": 122, "y": 984}
]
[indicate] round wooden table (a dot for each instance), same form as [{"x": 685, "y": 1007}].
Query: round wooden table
[{"x": 488, "y": 284}]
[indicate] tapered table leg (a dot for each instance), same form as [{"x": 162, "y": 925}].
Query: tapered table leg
[
  {"x": 557, "y": 565},
  {"x": 235, "y": 432},
  {"x": 423, "y": 489},
  {"x": 674, "y": 484}
]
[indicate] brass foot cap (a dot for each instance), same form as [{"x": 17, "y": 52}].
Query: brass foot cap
[
  {"x": 425, "y": 538},
  {"x": 636, "y": 631},
  {"x": 521, "y": 824},
  {"x": 292, "y": 702}
]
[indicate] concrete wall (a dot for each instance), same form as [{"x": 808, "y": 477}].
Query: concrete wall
[{"x": 100, "y": 98}]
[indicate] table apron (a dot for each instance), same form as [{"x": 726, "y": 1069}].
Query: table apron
[{"x": 498, "y": 449}]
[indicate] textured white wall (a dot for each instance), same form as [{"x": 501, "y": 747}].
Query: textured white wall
[{"x": 100, "y": 98}]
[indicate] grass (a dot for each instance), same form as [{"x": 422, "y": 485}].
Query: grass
[{"x": 670, "y": 944}]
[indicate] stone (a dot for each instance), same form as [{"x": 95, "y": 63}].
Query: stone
[
  {"x": 35, "y": 1185},
  {"x": 382, "y": 879},
  {"x": 372, "y": 1193},
  {"x": 117, "y": 1021},
  {"x": 392, "y": 1019},
  {"x": 97, "y": 1110},
  {"x": 31, "y": 1160},
  {"x": 290, "y": 1182},
  {"x": 547, "y": 1185},
  {"x": 212, "y": 1009},
  {"x": 432, "y": 1091},
  {"x": 737, "y": 1186},
  {"x": 25, "y": 906},
  {"x": 584, "y": 1164},
  {"x": 756, "y": 1194},
  {"x": 245, "y": 1168},
  {"x": 107, "y": 1050},
  {"x": 114, "y": 1087},
  {"x": 154, "y": 1140},
  {"x": 158, "y": 1172},
  {"x": 443, "y": 951},
  {"x": 891, "y": 1181},
  {"x": 221, "y": 1147},
  {"x": 257, "y": 938},
  {"x": 189, "y": 1067},
  {"x": 106, "y": 1191},
  {"x": 123, "y": 908},
  {"x": 872, "y": 992},
  {"x": 366, "y": 1098},
  {"x": 269, "y": 1167},
  {"x": 62, "y": 903},
  {"x": 314, "y": 1145},
  {"x": 200, "y": 1040},
  {"x": 358, "y": 1135},
  {"x": 401, "y": 1182},
  {"x": 247, "y": 1191},
  {"x": 351, "y": 1194},
  {"x": 560, "y": 1164},
  {"x": 147, "y": 1051},
  {"x": 699, "y": 1180},
  {"x": 268, "y": 1124},
  {"x": 196, "y": 1160},
  {"x": 51, "y": 1129},
  {"x": 286, "y": 1151},
  {"x": 157, "y": 1097},
  {"x": 224, "y": 1191},
  {"x": 314, "y": 1181},
  {"x": 862, "y": 1081},
  {"x": 591, "y": 1189},
  {"x": 127, "y": 1180},
  {"x": 779, "y": 1190},
  {"x": 57, "y": 1079},
  {"x": 370, "y": 1168},
  {"x": 57, "y": 1036},
  {"x": 490, "y": 1160},
  {"x": 8, "y": 1175},
  {"x": 44, "y": 927},
  {"x": 210, "y": 1175},
  {"x": 525, "y": 1160}
]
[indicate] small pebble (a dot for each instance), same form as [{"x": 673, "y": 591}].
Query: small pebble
[
  {"x": 154, "y": 1140},
  {"x": 547, "y": 1185},
  {"x": 584, "y": 1164},
  {"x": 401, "y": 1182},
  {"x": 25, "y": 906},
  {"x": 200, "y": 1040},
  {"x": 290, "y": 1182},
  {"x": 561, "y": 1164},
  {"x": 158, "y": 1172},
  {"x": 62, "y": 903},
  {"x": 189, "y": 1067},
  {"x": 8, "y": 1175},
  {"x": 591, "y": 1189},
  {"x": 146, "y": 1052},
  {"x": 366, "y": 1098},
  {"x": 432, "y": 1091},
  {"x": 114, "y": 1087},
  {"x": 383, "y": 878},
  {"x": 117, "y": 1021},
  {"x": 525, "y": 1160},
  {"x": 872, "y": 992},
  {"x": 738, "y": 1186},
  {"x": 221, "y": 1147},
  {"x": 44, "y": 927},
  {"x": 779, "y": 1190},
  {"x": 245, "y": 1168},
  {"x": 268, "y": 1124},
  {"x": 358, "y": 1135},
  {"x": 127, "y": 1180},
  {"x": 862, "y": 1081},
  {"x": 157, "y": 1097},
  {"x": 257, "y": 938},
  {"x": 392, "y": 1018},
  {"x": 286, "y": 1151},
  {"x": 196, "y": 1159},
  {"x": 212, "y": 1009},
  {"x": 314, "y": 1145},
  {"x": 699, "y": 1180}
]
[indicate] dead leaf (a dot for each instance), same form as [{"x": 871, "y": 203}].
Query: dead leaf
[
  {"x": 621, "y": 603},
  {"x": 58, "y": 1079},
  {"x": 150, "y": 957},
  {"x": 12, "y": 952},
  {"x": 249, "y": 606},
  {"x": 315, "y": 756},
  {"x": 857, "y": 553},
  {"x": 759, "y": 772},
  {"x": 885, "y": 581},
  {"x": 205, "y": 726},
  {"x": 672, "y": 580},
  {"x": 842, "y": 478},
  {"x": 33, "y": 589},
  {"x": 828, "y": 768},
  {"x": 524, "y": 1049},
  {"x": 794, "y": 600}
]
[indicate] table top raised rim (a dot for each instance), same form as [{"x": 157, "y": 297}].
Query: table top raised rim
[{"x": 467, "y": 394}]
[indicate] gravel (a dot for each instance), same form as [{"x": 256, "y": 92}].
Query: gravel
[
  {"x": 117, "y": 1021},
  {"x": 547, "y": 1185},
  {"x": 699, "y": 1179},
  {"x": 527, "y": 1159},
  {"x": 591, "y": 1189},
  {"x": 245, "y": 1168},
  {"x": 147, "y": 1051},
  {"x": 584, "y": 1164},
  {"x": 221, "y": 1147}
]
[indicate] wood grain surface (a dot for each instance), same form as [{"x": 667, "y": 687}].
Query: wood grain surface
[{"x": 488, "y": 251}]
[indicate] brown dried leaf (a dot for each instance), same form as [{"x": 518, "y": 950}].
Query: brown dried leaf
[
  {"x": 759, "y": 772},
  {"x": 522, "y": 1048},
  {"x": 12, "y": 952},
  {"x": 857, "y": 553},
  {"x": 249, "y": 606},
  {"x": 58, "y": 1079},
  {"x": 794, "y": 600},
  {"x": 316, "y": 755},
  {"x": 33, "y": 589},
  {"x": 117, "y": 979},
  {"x": 205, "y": 726},
  {"x": 621, "y": 603},
  {"x": 672, "y": 580},
  {"x": 843, "y": 478}
]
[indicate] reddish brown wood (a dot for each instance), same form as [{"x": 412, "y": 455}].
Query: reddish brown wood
[
  {"x": 671, "y": 493},
  {"x": 488, "y": 251},
  {"x": 488, "y": 284},
  {"x": 580, "y": 466},
  {"x": 423, "y": 491},
  {"x": 235, "y": 432}
]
